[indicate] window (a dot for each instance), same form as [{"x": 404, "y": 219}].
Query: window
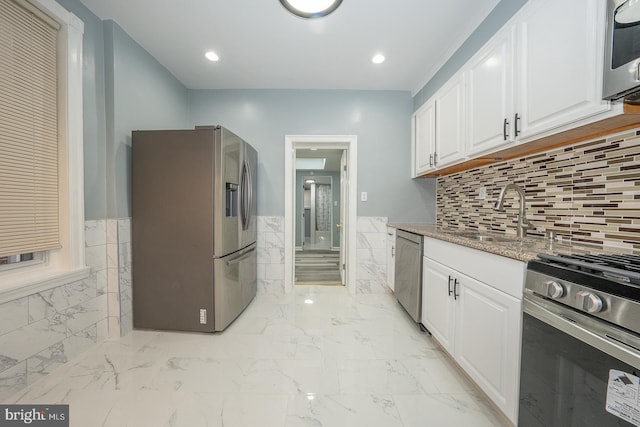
[{"x": 41, "y": 191}]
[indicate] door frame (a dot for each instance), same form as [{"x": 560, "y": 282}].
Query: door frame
[{"x": 349, "y": 143}]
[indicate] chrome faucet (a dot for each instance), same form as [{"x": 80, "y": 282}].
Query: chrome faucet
[{"x": 523, "y": 222}]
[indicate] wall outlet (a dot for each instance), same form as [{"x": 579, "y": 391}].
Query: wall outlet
[
  {"x": 363, "y": 196},
  {"x": 482, "y": 193}
]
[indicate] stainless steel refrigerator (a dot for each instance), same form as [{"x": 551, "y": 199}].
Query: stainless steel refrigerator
[{"x": 193, "y": 199}]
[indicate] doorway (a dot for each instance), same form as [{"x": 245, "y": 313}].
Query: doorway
[
  {"x": 320, "y": 214},
  {"x": 317, "y": 216}
]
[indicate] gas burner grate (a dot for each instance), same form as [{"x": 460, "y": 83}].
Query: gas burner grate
[{"x": 619, "y": 267}]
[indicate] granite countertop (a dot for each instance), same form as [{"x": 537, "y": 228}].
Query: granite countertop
[{"x": 521, "y": 249}]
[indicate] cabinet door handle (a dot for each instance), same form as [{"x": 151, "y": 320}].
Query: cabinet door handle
[
  {"x": 449, "y": 286},
  {"x": 430, "y": 160},
  {"x": 505, "y": 135},
  {"x": 393, "y": 251},
  {"x": 455, "y": 289},
  {"x": 435, "y": 158},
  {"x": 516, "y": 120}
]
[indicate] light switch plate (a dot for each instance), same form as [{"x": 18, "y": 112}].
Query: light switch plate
[{"x": 482, "y": 193}]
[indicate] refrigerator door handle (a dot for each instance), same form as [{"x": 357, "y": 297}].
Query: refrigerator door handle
[
  {"x": 250, "y": 189},
  {"x": 244, "y": 197},
  {"x": 242, "y": 256}
]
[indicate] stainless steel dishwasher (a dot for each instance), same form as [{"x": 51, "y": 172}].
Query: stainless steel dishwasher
[{"x": 408, "y": 278}]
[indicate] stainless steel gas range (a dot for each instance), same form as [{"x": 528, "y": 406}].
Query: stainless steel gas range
[{"x": 581, "y": 342}]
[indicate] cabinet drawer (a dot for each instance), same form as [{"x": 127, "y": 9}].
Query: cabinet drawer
[{"x": 504, "y": 274}]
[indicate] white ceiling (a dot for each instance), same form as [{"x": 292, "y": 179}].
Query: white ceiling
[{"x": 261, "y": 45}]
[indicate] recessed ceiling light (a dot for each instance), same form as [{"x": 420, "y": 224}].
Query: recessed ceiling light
[
  {"x": 211, "y": 56},
  {"x": 308, "y": 301},
  {"x": 378, "y": 59},
  {"x": 311, "y": 8},
  {"x": 309, "y": 181}
]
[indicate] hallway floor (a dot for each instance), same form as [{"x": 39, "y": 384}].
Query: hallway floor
[
  {"x": 317, "y": 267},
  {"x": 317, "y": 357}
]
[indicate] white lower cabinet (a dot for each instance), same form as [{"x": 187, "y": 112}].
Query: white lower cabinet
[{"x": 477, "y": 323}]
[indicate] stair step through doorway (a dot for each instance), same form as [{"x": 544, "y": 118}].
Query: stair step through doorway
[{"x": 318, "y": 267}]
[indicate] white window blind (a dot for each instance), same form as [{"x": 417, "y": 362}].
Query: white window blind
[{"x": 28, "y": 130}]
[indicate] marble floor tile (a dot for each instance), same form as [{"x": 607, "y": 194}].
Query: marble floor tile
[{"x": 315, "y": 357}]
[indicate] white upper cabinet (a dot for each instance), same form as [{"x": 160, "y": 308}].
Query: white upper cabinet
[
  {"x": 560, "y": 45},
  {"x": 424, "y": 137},
  {"x": 490, "y": 95},
  {"x": 539, "y": 75},
  {"x": 450, "y": 122},
  {"x": 438, "y": 128}
]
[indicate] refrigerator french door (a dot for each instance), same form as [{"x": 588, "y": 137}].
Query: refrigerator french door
[{"x": 193, "y": 228}]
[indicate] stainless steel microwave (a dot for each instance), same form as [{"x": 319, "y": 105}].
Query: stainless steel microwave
[{"x": 622, "y": 49}]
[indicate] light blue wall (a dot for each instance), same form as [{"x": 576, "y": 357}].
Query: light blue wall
[
  {"x": 335, "y": 196},
  {"x": 141, "y": 94},
  {"x": 125, "y": 88},
  {"x": 93, "y": 92},
  {"x": 492, "y": 23},
  {"x": 380, "y": 119}
]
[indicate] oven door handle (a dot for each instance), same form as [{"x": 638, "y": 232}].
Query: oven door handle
[{"x": 593, "y": 332}]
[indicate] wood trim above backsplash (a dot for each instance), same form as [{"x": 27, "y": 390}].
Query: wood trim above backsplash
[{"x": 616, "y": 124}]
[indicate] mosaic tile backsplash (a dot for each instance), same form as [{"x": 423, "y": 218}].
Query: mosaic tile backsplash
[{"x": 587, "y": 192}]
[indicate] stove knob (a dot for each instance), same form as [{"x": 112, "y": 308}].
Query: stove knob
[
  {"x": 554, "y": 289},
  {"x": 589, "y": 302}
]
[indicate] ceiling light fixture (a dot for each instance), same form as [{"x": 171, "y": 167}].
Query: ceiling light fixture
[
  {"x": 378, "y": 59},
  {"x": 310, "y": 9},
  {"x": 211, "y": 56}
]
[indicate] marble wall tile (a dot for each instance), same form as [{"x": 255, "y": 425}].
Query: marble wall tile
[
  {"x": 112, "y": 231},
  {"x": 114, "y": 326},
  {"x": 60, "y": 323},
  {"x": 270, "y": 255},
  {"x": 45, "y": 362},
  {"x": 274, "y": 224},
  {"x": 58, "y": 354},
  {"x": 124, "y": 230},
  {"x": 95, "y": 233},
  {"x": 371, "y": 255},
  {"x": 112, "y": 255},
  {"x": 14, "y": 315},
  {"x": 81, "y": 316},
  {"x": 274, "y": 272},
  {"x": 100, "y": 279},
  {"x": 13, "y": 380},
  {"x": 126, "y": 323},
  {"x": 368, "y": 240},
  {"x": 113, "y": 304},
  {"x": 124, "y": 254},
  {"x": 31, "y": 339},
  {"x": 273, "y": 240},
  {"x": 270, "y": 244},
  {"x": 371, "y": 224},
  {"x": 126, "y": 300},
  {"x": 49, "y": 302},
  {"x": 96, "y": 257},
  {"x": 113, "y": 280}
]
